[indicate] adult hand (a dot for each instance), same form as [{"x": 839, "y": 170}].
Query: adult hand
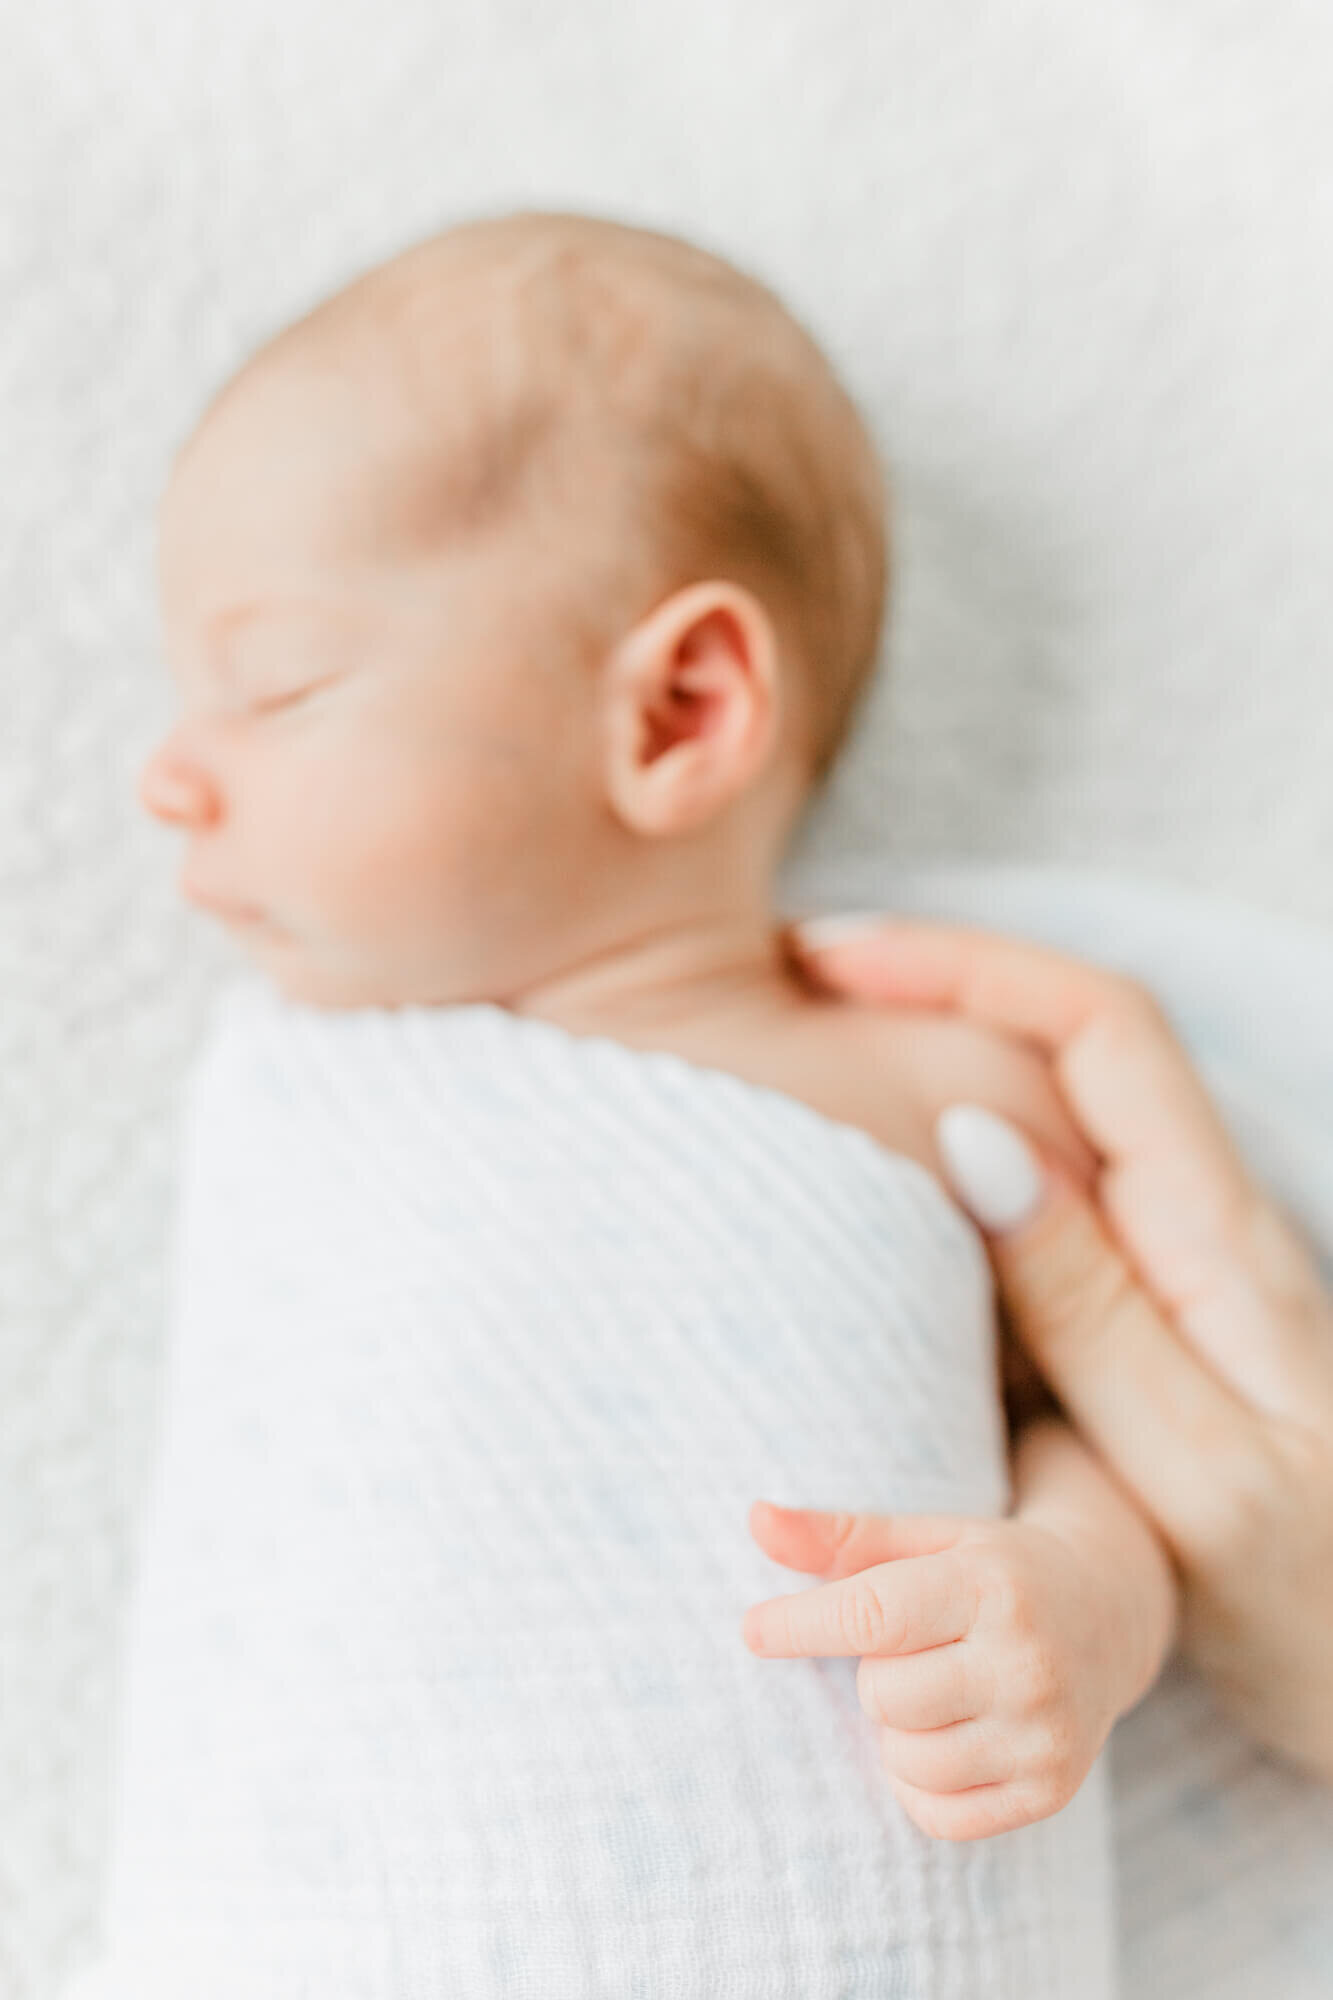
[{"x": 1180, "y": 1319}]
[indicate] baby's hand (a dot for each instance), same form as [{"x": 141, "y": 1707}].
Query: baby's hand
[{"x": 996, "y": 1654}]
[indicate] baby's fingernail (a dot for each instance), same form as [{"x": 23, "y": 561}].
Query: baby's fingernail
[
  {"x": 821, "y": 933},
  {"x": 992, "y": 1168}
]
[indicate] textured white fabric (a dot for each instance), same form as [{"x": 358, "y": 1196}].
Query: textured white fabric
[{"x": 486, "y": 1338}]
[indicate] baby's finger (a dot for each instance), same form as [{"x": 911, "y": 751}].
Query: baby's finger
[
  {"x": 840, "y": 1544},
  {"x": 956, "y": 1759},
  {"x": 971, "y": 1815},
  {"x": 922, "y": 1690},
  {"x": 893, "y": 1608}
]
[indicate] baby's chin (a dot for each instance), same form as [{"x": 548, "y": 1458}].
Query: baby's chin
[{"x": 304, "y": 978}]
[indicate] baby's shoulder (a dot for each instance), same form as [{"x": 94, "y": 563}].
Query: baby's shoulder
[{"x": 892, "y": 1071}]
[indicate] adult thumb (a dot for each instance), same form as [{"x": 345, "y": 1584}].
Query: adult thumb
[{"x": 1111, "y": 1354}]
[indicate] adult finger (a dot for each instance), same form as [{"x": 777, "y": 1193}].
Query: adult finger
[
  {"x": 1110, "y": 1043},
  {"x": 837, "y": 1545},
  {"x": 1115, "y": 1360},
  {"x": 1236, "y": 1275},
  {"x": 898, "y": 1607}
]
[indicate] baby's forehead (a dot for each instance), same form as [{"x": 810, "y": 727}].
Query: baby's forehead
[
  {"x": 463, "y": 338},
  {"x": 303, "y": 448},
  {"x": 471, "y": 384}
]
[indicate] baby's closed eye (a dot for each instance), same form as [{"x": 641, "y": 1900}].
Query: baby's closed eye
[{"x": 268, "y": 704}]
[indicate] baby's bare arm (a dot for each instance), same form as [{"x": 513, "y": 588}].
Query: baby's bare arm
[{"x": 958, "y": 1062}]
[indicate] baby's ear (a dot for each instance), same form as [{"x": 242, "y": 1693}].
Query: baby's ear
[{"x": 691, "y": 708}]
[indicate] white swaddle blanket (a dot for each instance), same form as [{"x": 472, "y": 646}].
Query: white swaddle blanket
[{"x": 484, "y": 1339}]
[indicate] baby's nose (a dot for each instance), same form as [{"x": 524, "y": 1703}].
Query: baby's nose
[{"x": 171, "y": 792}]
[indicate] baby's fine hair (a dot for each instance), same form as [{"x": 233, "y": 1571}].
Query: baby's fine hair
[{"x": 652, "y": 405}]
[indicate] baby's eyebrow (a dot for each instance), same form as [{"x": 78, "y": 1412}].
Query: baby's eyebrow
[{"x": 224, "y": 627}]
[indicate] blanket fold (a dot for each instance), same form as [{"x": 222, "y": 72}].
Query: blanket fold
[{"x": 484, "y": 1339}]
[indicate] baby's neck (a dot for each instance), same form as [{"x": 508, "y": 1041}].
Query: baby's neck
[
  {"x": 723, "y": 994},
  {"x": 673, "y": 984}
]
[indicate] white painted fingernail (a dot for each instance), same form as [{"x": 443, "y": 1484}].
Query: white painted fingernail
[
  {"x": 819, "y": 933},
  {"x": 992, "y": 1168}
]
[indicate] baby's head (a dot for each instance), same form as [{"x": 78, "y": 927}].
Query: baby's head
[{"x": 516, "y": 596}]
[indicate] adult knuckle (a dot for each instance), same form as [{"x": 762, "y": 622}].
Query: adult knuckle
[
  {"x": 1238, "y": 1506},
  {"x": 1264, "y": 1479},
  {"x": 1305, "y": 1481},
  {"x": 1126, "y": 1016},
  {"x": 1072, "y": 1288},
  {"x": 1133, "y": 1007}
]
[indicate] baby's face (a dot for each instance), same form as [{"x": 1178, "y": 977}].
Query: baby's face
[{"x": 381, "y": 747}]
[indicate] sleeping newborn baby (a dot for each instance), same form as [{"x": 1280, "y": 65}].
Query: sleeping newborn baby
[{"x": 535, "y": 1217}]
